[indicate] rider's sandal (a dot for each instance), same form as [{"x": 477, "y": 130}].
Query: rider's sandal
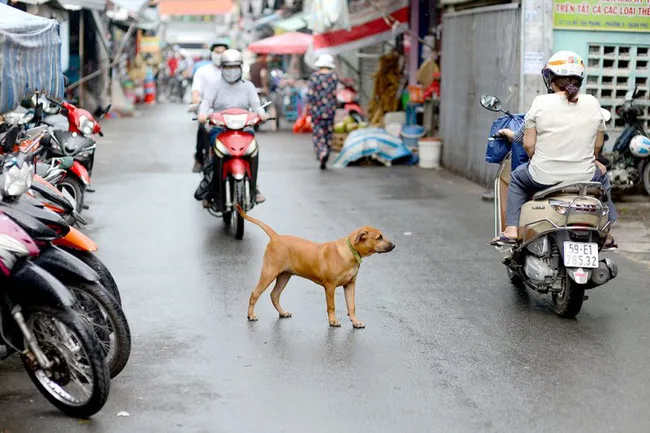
[{"x": 503, "y": 240}]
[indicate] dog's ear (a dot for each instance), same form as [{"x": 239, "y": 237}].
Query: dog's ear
[{"x": 362, "y": 235}]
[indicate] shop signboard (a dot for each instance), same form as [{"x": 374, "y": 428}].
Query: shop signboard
[{"x": 602, "y": 15}]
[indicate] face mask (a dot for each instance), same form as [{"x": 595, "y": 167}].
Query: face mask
[
  {"x": 231, "y": 75},
  {"x": 216, "y": 59}
]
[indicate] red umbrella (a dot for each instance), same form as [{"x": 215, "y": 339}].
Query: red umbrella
[{"x": 286, "y": 43}]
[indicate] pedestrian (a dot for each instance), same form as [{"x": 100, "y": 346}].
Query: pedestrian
[{"x": 321, "y": 103}]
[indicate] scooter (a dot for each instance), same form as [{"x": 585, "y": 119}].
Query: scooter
[
  {"x": 347, "y": 98},
  {"x": 96, "y": 304},
  {"x": 237, "y": 176},
  {"x": 562, "y": 232},
  {"x": 40, "y": 322},
  {"x": 627, "y": 167}
]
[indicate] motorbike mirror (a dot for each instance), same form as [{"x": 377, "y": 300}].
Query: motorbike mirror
[{"x": 491, "y": 103}]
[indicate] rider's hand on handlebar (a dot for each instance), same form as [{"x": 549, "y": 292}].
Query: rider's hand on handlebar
[
  {"x": 509, "y": 134},
  {"x": 203, "y": 118},
  {"x": 264, "y": 117}
]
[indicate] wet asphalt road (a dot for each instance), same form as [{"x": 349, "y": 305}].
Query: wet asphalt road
[{"x": 449, "y": 344}]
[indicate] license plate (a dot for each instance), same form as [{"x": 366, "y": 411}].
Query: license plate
[{"x": 580, "y": 255}]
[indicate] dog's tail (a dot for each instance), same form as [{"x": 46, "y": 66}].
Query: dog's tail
[{"x": 269, "y": 231}]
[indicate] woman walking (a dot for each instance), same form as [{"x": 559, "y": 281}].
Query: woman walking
[{"x": 321, "y": 100}]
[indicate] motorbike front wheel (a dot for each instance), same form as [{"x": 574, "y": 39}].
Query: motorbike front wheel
[
  {"x": 107, "y": 321},
  {"x": 238, "y": 198},
  {"x": 105, "y": 277},
  {"x": 568, "y": 302},
  {"x": 646, "y": 178},
  {"x": 78, "y": 382},
  {"x": 76, "y": 188}
]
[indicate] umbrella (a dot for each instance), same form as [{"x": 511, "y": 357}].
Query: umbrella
[{"x": 287, "y": 43}]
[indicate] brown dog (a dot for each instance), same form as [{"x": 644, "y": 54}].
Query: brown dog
[{"x": 330, "y": 264}]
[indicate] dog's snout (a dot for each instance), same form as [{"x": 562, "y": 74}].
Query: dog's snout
[{"x": 391, "y": 246}]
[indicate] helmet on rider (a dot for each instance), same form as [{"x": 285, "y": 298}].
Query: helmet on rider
[
  {"x": 231, "y": 65},
  {"x": 216, "y": 50},
  {"x": 640, "y": 146},
  {"x": 563, "y": 64}
]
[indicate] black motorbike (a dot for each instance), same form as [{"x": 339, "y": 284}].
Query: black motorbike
[{"x": 625, "y": 170}]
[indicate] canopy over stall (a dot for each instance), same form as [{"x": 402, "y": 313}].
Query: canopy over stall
[
  {"x": 30, "y": 57},
  {"x": 286, "y": 43},
  {"x": 368, "y": 25}
]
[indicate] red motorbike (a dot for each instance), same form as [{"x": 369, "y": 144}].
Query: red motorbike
[
  {"x": 74, "y": 138},
  {"x": 232, "y": 166},
  {"x": 347, "y": 98}
]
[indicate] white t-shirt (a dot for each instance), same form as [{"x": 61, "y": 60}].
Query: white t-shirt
[
  {"x": 205, "y": 78},
  {"x": 566, "y": 138}
]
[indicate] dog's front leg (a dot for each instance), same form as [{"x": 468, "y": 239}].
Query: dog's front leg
[
  {"x": 349, "y": 301},
  {"x": 331, "y": 311}
]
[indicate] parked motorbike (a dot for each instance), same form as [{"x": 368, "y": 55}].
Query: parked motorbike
[
  {"x": 237, "y": 178},
  {"x": 39, "y": 322},
  {"x": 96, "y": 305},
  {"x": 562, "y": 232},
  {"x": 628, "y": 165},
  {"x": 347, "y": 98}
]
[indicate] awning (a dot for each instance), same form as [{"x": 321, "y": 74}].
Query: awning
[
  {"x": 368, "y": 27},
  {"x": 293, "y": 23},
  {"x": 131, "y": 5},
  {"x": 195, "y": 7},
  {"x": 30, "y": 57},
  {"x": 98, "y": 5},
  {"x": 287, "y": 43},
  {"x": 276, "y": 16}
]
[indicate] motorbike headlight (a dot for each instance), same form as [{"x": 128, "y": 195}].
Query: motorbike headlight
[
  {"x": 235, "y": 121},
  {"x": 221, "y": 148},
  {"x": 8, "y": 243},
  {"x": 252, "y": 148},
  {"x": 16, "y": 180},
  {"x": 86, "y": 125}
]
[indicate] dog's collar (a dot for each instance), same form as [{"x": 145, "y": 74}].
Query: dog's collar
[{"x": 354, "y": 252}]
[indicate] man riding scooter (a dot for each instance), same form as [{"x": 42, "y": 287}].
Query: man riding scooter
[
  {"x": 229, "y": 92},
  {"x": 205, "y": 79}
]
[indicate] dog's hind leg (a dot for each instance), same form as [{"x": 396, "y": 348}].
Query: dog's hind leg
[
  {"x": 280, "y": 284},
  {"x": 268, "y": 275}
]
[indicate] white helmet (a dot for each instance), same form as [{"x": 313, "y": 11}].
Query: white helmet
[
  {"x": 640, "y": 146},
  {"x": 563, "y": 64},
  {"x": 325, "y": 61},
  {"x": 232, "y": 57}
]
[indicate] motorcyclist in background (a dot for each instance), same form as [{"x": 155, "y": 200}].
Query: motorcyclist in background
[
  {"x": 231, "y": 91},
  {"x": 205, "y": 78}
]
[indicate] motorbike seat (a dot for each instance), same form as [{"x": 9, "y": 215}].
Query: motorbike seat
[{"x": 593, "y": 189}]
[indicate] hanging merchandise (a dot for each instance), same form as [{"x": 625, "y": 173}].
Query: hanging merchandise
[
  {"x": 387, "y": 83},
  {"x": 326, "y": 14}
]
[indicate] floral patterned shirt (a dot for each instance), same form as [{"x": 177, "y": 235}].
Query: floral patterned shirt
[{"x": 322, "y": 95}]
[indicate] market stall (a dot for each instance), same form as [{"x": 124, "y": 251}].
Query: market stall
[
  {"x": 290, "y": 90},
  {"x": 30, "y": 57}
]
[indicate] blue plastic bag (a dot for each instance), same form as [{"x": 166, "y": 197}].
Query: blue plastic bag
[{"x": 498, "y": 148}]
